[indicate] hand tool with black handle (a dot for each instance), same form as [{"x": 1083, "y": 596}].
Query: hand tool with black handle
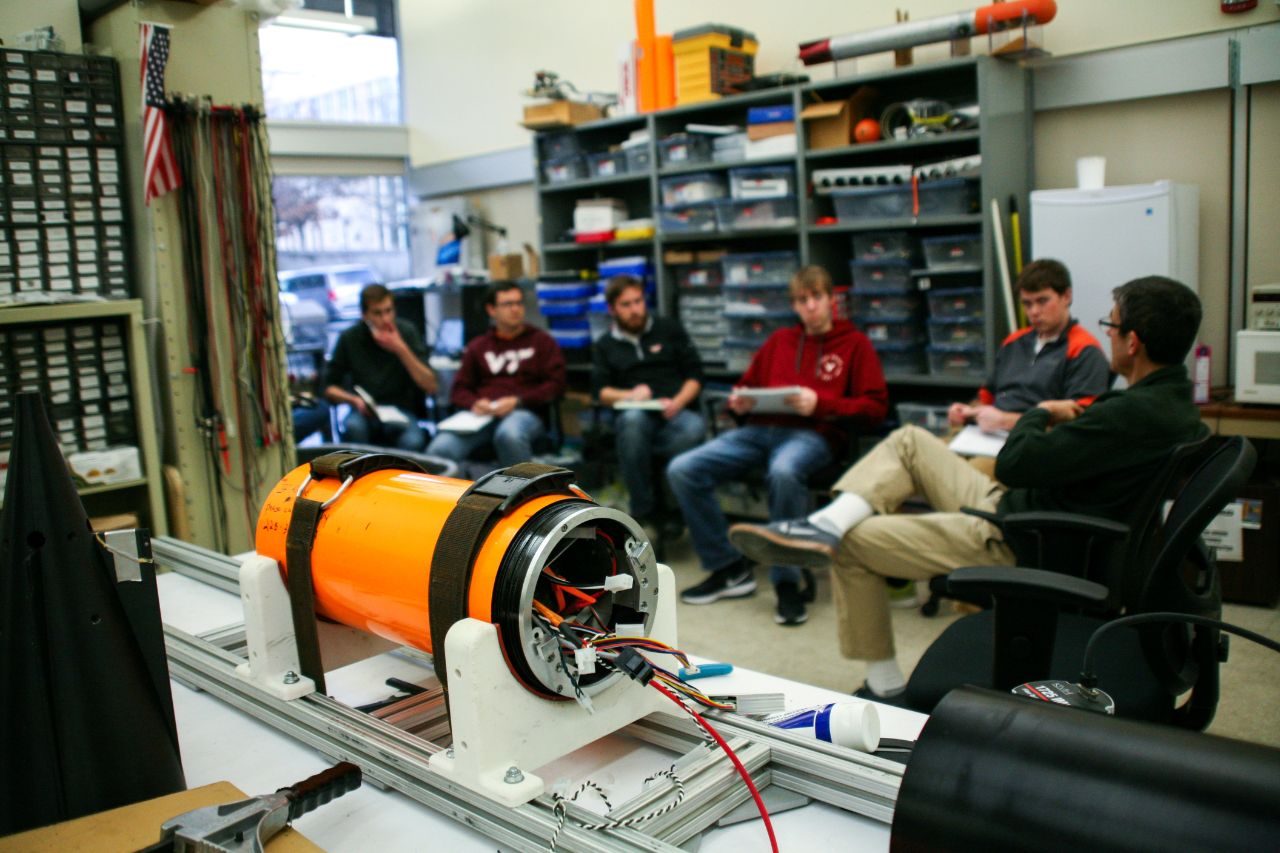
[{"x": 245, "y": 825}]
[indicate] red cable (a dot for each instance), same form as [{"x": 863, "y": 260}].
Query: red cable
[{"x": 742, "y": 771}]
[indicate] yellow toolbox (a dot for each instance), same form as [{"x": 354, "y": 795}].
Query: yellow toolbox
[{"x": 712, "y": 60}]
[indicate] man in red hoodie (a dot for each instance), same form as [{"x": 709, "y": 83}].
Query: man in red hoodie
[
  {"x": 840, "y": 385},
  {"x": 513, "y": 373}
]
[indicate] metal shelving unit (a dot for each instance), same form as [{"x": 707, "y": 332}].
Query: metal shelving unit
[
  {"x": 146, "y": 495},
  {"x": 1003, "y": 138}
]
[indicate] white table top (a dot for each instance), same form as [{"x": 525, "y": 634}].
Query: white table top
[{"x": 219, "y": 742}]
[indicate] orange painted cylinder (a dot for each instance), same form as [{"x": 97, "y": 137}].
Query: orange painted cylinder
[{"x": 371, "y": 558}]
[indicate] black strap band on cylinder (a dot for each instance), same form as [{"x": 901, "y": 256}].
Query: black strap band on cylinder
[
  {"x": 464, "y": 532},
  {"x": 303, "y": 522}
]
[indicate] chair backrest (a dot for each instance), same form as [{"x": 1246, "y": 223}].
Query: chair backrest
[
  {"x": 1146, "y": 520},
  {"x": 1182, "y": 578}
]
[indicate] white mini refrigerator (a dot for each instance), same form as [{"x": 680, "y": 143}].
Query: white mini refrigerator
[{"x": 1110, "y": 235}]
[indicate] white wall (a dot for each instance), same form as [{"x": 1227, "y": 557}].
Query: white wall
[
  {"x": 466, "y": 61},
  {"x": 20, "y": 16}
]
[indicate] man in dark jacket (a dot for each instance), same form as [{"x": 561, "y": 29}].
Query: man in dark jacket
[
  {"x": 1058, "y": 457},
  {"x": 646, "y": 368},
  {"x": 837, "y": 380},
  {"x": 386, "y": 358}
]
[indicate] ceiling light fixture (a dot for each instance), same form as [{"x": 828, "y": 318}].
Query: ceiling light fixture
[{"x": 331, "y": 22}]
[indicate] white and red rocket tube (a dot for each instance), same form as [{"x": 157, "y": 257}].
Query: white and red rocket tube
[{"x": 987, "y": 19}]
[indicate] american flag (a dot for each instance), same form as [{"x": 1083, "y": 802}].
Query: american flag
[{"x": 160, "y": 169}]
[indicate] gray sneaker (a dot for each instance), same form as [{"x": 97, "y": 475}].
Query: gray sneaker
[{"x": 785, "y": 543}]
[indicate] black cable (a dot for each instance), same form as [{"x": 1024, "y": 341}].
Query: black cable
[{"x": 1089, "y": 680}]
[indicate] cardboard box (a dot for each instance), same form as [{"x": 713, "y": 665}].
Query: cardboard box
[
  {"x": 505, "y": 267},
  {"x": 559, "y": 114},
  {"x": 773, "y": 128},
  {"x": 830, "y": 124}
]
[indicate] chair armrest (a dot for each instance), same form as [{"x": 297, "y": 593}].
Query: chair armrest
[
  {"x": 1005, "y": 582},
  {"x": 984, "y": 515},
  {"x": 1063, "y": 521}
]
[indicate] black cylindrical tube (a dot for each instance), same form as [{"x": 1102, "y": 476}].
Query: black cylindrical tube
[{"x": 996, "y": 772}]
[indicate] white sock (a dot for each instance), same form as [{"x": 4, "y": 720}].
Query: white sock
[
  {"x": 843, "y": 513},
  {"x": 885, "y": 678}
]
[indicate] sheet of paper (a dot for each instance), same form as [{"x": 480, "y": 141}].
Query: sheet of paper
[
  {"x": 647, "y": 405},
  {"x": 972, "y": 441},
  {"x": 770, "y": 400},
  {"x": 465, "y": 422},
  {"x": 391, "y": 415}
]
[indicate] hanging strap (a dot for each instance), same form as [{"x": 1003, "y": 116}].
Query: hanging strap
[
  {"x": 481, "y": 506},
  {"x": 347, "y": 466}
]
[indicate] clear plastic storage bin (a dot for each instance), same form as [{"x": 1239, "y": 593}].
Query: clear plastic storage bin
[
  {"x": 925, "y": 415},
  {"x": 687, "y": 218},
  {"x": 753, "y": 299},
  {"x": 563, "y": 169},
  {"x": 718, "y": 327},
  {"x": 639, "y": 158},
  {"x": 752, "y": 214},
  {"x": 760, "y": 267},
  {"x": 900, "y": 358},
  {"x": 956, "y": 250},
  {"x": 692, "y": 188},
  {"x": 872, "y": 305},
  {"x": 964, "y": 303},
  {"x": 755, "y": 330},
  {"x": 856, "y": 204},
  {"x": 682, "y": 149},
  {"x": 762, "y": 182},
  {"x": 882, "y": 275},
  {"x": 955, "y": 330},
  {"x": 948, "y": 197},
  {"x": 882, "y": 245},
  {"x": 607, "y": 164},
  {"x": 699, "y": 275},
  {"x": 701, "y": 315},
  {"x": 957, "y": 361},
  {"x": 902, "y": 329},
  {"x": 738, "y": 354},
  {"x": 701, "y": 302}
]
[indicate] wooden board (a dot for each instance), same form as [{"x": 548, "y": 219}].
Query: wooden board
[{"x": 137, "y": 826}]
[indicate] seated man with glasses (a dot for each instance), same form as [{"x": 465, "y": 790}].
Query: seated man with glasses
[
  {"x": 1058, "y": 457},
  {"x": 511, "y": 375}
]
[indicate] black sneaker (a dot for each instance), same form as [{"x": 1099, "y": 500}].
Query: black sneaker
[
  {"x": 733, "y": 581},
  {"x": 791, "y": 601}
]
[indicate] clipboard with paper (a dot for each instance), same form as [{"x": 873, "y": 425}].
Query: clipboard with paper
[{"x": 770, "y": 401}]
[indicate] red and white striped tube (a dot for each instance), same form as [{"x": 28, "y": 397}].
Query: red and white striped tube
[{"x": 987, "y": 19}]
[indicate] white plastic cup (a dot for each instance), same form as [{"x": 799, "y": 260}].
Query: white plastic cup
[
  {"x": 854, "y": 724},
  {"x": 1091, "y": 173}
]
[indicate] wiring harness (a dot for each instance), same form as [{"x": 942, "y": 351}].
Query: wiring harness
[{"x": 234, "y": 340}]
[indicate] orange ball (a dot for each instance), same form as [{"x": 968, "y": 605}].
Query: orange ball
[{"x": 867, "y": 130}]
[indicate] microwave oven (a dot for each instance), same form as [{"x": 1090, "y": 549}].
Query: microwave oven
[{"x": 1258, "y": 366}]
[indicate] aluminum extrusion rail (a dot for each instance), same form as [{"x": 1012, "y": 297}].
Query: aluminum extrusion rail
[{"x": 390, "y": 757}]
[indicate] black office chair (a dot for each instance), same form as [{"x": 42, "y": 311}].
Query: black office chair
[
  {"x": 1041, "y": 620},
  {"x": 1092, "y": 548}
]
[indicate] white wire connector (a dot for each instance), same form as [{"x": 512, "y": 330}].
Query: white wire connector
[
  {"x": 626, "y": 629},
  {"x": 585, "y": 660},
  {"x": 618, "y": 583}
]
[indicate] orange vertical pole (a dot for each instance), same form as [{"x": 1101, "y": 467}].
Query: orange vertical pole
[
  {"x": 666, "y": 66},
  {"x": 646, "y": 60}
]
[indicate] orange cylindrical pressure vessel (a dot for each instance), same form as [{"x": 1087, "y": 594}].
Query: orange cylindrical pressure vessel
[
  {"x": 371, "y": 561},
  {"x": 371, "y": 558}
]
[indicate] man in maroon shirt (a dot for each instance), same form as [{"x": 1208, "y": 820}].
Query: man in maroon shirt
[
  {"x": 839, "y": 383},
  {"x": 512, "y": 373}
]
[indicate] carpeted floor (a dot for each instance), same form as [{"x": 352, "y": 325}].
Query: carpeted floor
[{"x": 743, "y": 632}]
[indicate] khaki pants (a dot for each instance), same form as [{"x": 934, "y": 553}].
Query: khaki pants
[{"x": 910, "y": 461}]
